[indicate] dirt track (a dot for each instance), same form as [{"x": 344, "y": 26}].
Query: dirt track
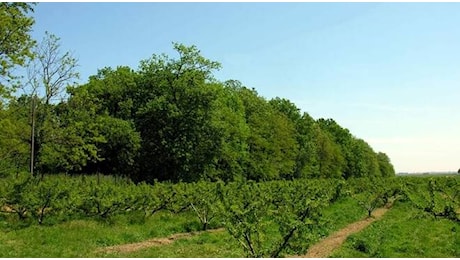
[
  {"x": 126, "y": 248},
  {"x": 320, "y": 250},
  {"x": 326, "y": 246}
]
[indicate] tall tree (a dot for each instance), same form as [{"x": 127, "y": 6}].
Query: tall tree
[
  {"x": 385, "y": 166},
  {"x": 49, "y": 73},
  {"x": 307, "y": 136},
  {"x": 174, "y": 117},
  {"x": 15, "y": 42},
  {"x": 330, "y": 158},
  {"x": 52, "y": 70},
  {"x": 271, "y": 142},
  {"x": 229, "y": 122}
]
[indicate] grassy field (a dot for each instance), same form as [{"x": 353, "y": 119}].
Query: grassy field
[
  {"x": 79, "y": 238},
  {"x": 404, "y": 232},
  {"x": 82, "y": 238},
  {"x": 221, "y": 244}
]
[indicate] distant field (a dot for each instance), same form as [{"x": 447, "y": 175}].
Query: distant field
[{"x": 433, "y": 174}]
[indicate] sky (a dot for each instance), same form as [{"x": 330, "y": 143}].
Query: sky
[{"x": 388, "y": 72}]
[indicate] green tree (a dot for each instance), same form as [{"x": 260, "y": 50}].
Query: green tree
[
  {"x": 307, "y": 137},
  {"x": 362, "y": 162},
  {"x": 385, "y": 166},
  {"x": 74, "y": 138},
  {"x": 15, "y": 41},
  {"x": 174, "y": 117},
  {"x": 228, "y": 120},
  {"x": 272, "y": 145},
  {"x": 119, "y": 149},
  {"x": 107, "y": 100},
  {"x": 287, "y": 108},
  {"x": 308, "y": 163},
  {"x": 360, "y": 159},
  {"x": 114, "y": 91},
  {"x": 343, "y": 138},
  {"x": 48, "y": 75},
  {"x": 330, "y": 158},
  {"x": 14, "y": 136}
]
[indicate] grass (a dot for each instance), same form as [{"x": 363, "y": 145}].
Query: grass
[
  {"x": 218, "y": 244},
  {"x": 343, "y": 212},
  {"x": 404, "y": 232},
  {"x": 222, "y": 245},
  {"x": 79, "y": 238}
]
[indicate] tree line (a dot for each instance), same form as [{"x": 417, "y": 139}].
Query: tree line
[{"x": 170, "y": 119}]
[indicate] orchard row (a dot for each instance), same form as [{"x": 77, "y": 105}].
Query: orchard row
[{"x": 290, "y": 211}]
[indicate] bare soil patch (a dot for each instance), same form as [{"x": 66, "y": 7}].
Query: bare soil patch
[
  {"x": 326, "y": 246},
  {"x": 127, "y": 248}
]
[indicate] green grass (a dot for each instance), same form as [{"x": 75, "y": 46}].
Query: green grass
[
  {"x": 218, "y": 244},
  {"x": 223, "y": 245},
  {"x": 343, "y": 212},
  {"x": 404, "y": 232},
  {"x": 79, "y": 238}
]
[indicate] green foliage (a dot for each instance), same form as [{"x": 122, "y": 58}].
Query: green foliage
[
  {"x": 48, "y": 197},
  {"x": 439, "y": 197},
  {"x": 245, "y": 209},
  {"x": 13, "y": 196},
  {"x": 103, "y": 199},
  {"x": 298, "y": 210},
  {"x": 374, "y": 192},
  {"x": 33, "y": 198},
  {"x": 204, "y": 200},
  {"x": 403, "y": 233},
  {"x": 15, "y": 41},
  {"x": 308, "y": 138},
  {"x": 119, "y": 149},
  {"x": 385, "y": 166},
  {"x": 274, "y": 218},
  {"x": 171, "y": 121},
  {"x": 14, "y": 135},
  {"x": 358, "y": 158},
  {"x": 174, "y": 117},
  {"x": 228, "y": 120},
  {"x": 271, "y": 142},
  {"x": 70, "y": 141},
  {"x": 151, "y": 199},
  {"x": 330, "y": 159}
]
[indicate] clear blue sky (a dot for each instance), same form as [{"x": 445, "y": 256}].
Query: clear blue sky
[{"x": 389, "y": 72}]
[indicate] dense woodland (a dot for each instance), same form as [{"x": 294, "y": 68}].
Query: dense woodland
[{"x": 169, "y": 119}]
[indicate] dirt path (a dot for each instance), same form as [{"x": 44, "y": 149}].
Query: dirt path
[
  {"x": 322, "y": 249},
  {"x": 325, "y": 247},
  {"x": 126, "y": 248}
]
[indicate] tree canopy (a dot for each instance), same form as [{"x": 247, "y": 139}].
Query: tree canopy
[
  {"x": 15, "y": 41},
  {"x": 172, "y": 120}
]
